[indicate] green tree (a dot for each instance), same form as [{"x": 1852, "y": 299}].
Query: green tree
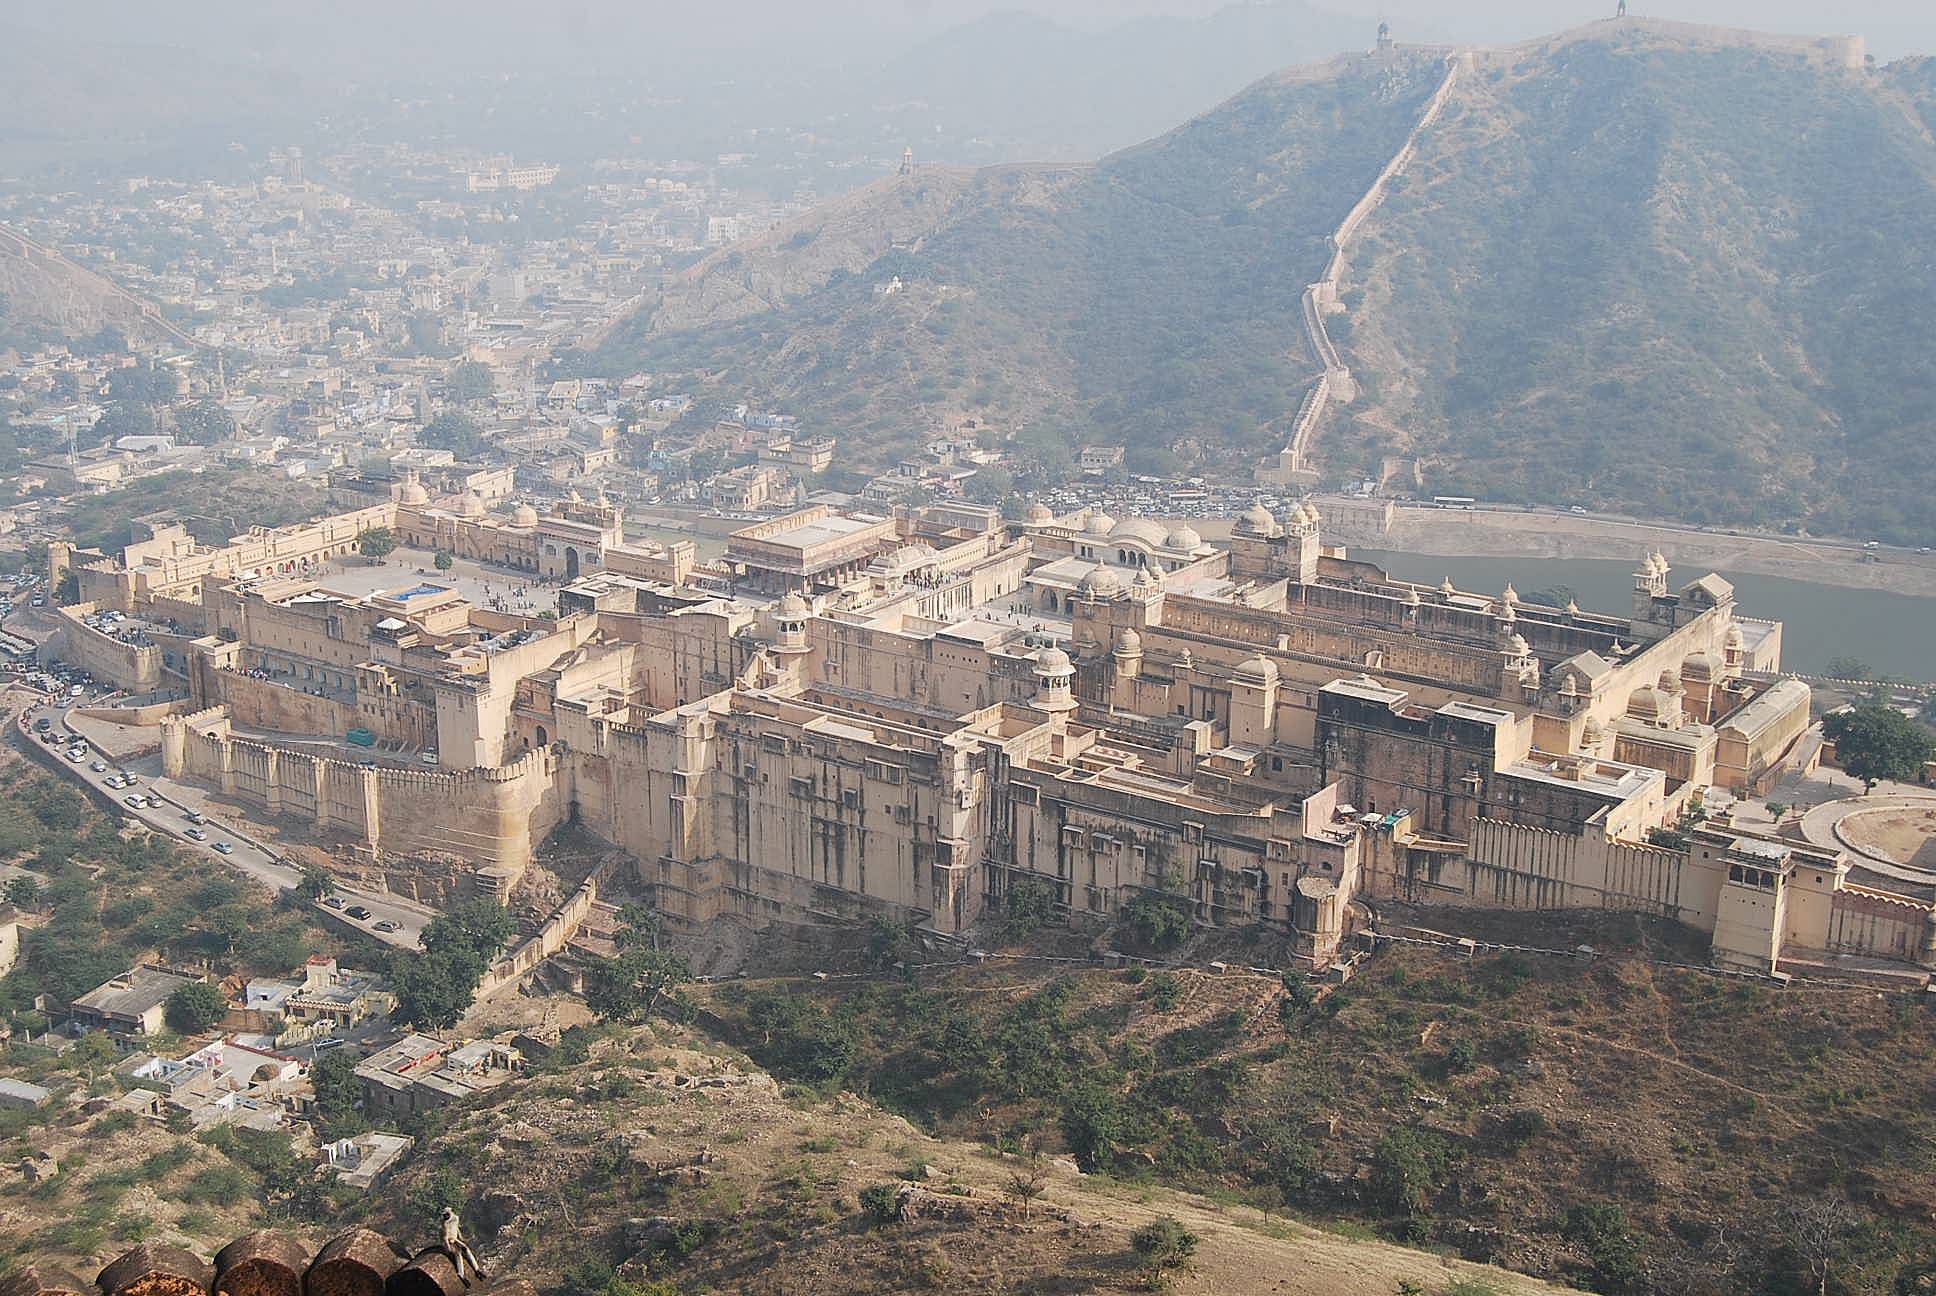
[
  {"x": 468, "y": 382},
  {"x": 1405, "y": 1170},
  {"x": 316, "y": 882},
  {"x": 1029, "y": 905},
  {"x": 443, "y": 560},
  {"x": 143, "y": 385},
  {"x": 24, "y": 892},
  {"x": 195, "y": 1008},
  {"x": 456, "y": 433},
  {"x": 1873, "y": 743},
  {"x": 433, "y": 988},
  {"x": 377, "y": 542},
  {"x": 475, "y": 931},
  {"x": 338, "y": 1092},
  {"x": 1600, "y": 1230},
  {"x": 1159, "y": 922},
  {"x": 628, "y": 987},
  {"x": 122, "y": 419},
  {"x": 204, "y": 423},
  {"x": 1848, "y": 668}
]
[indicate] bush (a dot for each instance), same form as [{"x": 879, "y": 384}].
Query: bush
[
  {"x": 195, "y": 1008},
  {"x": 1029, "y": 904},
  {"x": 1164, "y": 1243},
  {"x": 1405, "y": 1170},
  {"x": 878, "y": 1200},
  {"x": 1600, "y": 1230},
  {"x": 220, "y": 1185},
  {"x": 1158, "y": 922}
]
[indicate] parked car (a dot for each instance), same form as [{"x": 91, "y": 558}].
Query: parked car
[
  {"x": 135, "y": 801},
  {"x": 334, "y": 902},
  {"x": 223, "y": 848},
  {"x": 196, "y": 817},
  {"x": 196, "y": 834},
  {"x": 358, "y": 912},
  {"x": 389, "y": 925},
  {"x": 99, "y": 767}
]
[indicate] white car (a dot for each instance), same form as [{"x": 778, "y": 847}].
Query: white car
[
  {"x": 76, "y": 755},
  {"x": 135, "y": 801},
  {"x": 223, "y": 848},
  {"x": 196, "y": 834}
]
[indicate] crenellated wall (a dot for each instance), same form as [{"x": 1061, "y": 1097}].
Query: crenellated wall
[{"x": 491, "y": 817}]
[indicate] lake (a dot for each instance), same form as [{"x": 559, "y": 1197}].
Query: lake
[{"x": 1891, "y": 632}]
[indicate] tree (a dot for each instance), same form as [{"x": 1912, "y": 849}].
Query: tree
[
  {"x": 1848, "y": 668},
  {"x": 1029, "y": 904},
  {"x": 474, "y": 931},
  {"x": 628, "y": 987},
  {"x": 443, "y": 560},
  {"x": 204, "y": 423},
  {"x": 1600, "y": 1230},
  {"x": 1873, "y": 743},
  {"x": 1159, "y": 921},
  {"x": 1030, "y": 1181},
  {"x": 456, "y": 433},
  {"x": 433, "y": 988},
  {"x": 123, "y": 419},
  {"x": 991, "y": 485},
  {"x": 469, "y": 382},
  {"x": 1164, "y": 1244},
  {"x": 195, "y": 1008},
  {"x": 338, "y": 1092},
  {"x": 316, "y": 882},
  {"x": 23, "y": 892},
  {"x": 377, "y": 542},
  {"x": 1405, "y": 1168},
  {"x": 143, "y": 385}
]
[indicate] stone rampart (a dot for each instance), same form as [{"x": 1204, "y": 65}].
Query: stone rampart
[{"x": 491, "y": 817}]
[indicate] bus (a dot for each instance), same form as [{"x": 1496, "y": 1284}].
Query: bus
[{"x": 1453, "y": 501}]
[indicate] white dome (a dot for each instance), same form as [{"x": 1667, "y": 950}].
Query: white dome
[
  {"x": 1053, "y": 661},
  {"x": 1184, "y": 539},
  {"x": 1130, "y": 642},
  {"x": 413, "y": 492},
  {"x": 1099, "y": 582},
  {"x": 1038, "y": 513},
  {"x": 1518, "y": 646},
  {"x": 1644, "y": 701},
  {"x": 1098, "y": 523},
  {"x": 1138, "y": 529},
  {"x": 524, "y": 515},
  {"x": 1257, "y": 670},
  {"x": 792, "y": 608},
  {"x": 1734, "y": 642},
  {"x": 1257, "y": 520},
  {"x": 470, "y": 505},
  {"x": 1511, "y": 596}
]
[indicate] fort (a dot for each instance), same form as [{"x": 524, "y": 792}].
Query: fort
[{"x": 916, "y": 712}]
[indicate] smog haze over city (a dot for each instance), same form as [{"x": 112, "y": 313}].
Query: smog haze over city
[{"x": 867, "y": 647}]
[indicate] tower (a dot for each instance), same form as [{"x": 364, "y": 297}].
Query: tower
[
  {"x": 907, "y": 160},
  {"x": 1055, "y": 679}
]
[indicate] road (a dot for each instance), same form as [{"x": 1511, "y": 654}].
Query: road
[{"x": 245, "y": 854}]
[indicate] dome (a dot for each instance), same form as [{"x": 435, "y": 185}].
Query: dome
[
  {"x": 1657, "y": 563},
  {"x": 1258, "y": 670},
  {"x": 1130, "y": 642},
  {"x": 792, "y": 608},
  {"x": 1141, "y": 529},
  {"x": 1703, "y": 666},
  {"x": 1518, "y": 646},
  {"x": 1510, "y": 597},
  {"x": 1097, "y": 523},
  {"x": 1734, "y": 642},
  {"x": 1257, "y": 520},
  {"x": 1572, "y": 608},
  {"x": 1099, "y": 583},
  {"x": 1410, "y": 597},
  {"x": 1038, "y": 514},
  {"x": 470, "y": 505},
  {"x": 1184, "y": 539},
  {"x": 1301, "y": 515},
  {"x": 1311, "y": 513},
  {"x": 524, "y": 515},
  {"x": 413, "y": 492},
  {"x": 1447, "y": 588},
  {"x": 1053, "y": 661},
  {"x": 1592, "y": 735},
  {"x": 1148, "y": 579},
  {"x": 1644, "y": 702},
  {"x": 1670, "y": 682}
]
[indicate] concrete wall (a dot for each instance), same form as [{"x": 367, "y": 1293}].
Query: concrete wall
[{"x": 136, "y": 668}]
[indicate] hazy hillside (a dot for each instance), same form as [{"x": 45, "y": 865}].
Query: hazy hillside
[
  {"x": 1642, "y": 266},
  {"x": 1644, "y": 269},
  {"x": 1152, "y": 298}
]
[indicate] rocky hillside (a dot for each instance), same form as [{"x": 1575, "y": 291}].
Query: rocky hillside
[
  {"x": 1649, "y": 267},
  {"x": 1640, "y": 265},
  {"x": 1153, "y": 296}
]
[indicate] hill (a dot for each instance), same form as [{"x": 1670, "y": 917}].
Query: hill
[
  {"x": 1643, "y": 266},
  {"x": 1153, "y": 295},
  {"x": 1656, "y": 268}
]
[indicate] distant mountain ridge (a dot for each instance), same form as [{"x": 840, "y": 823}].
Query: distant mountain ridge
[{"x": 1640, "y": 265}]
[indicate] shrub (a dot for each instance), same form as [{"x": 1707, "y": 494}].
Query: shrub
[
  {"x": 1405, "y": 1169},
  {"x": 1158, "y": 922},
  {"x": 878, "y": 1200},
  {"x": 1600, "y": 1230},
  {"x": 1164, "y": 1244}
]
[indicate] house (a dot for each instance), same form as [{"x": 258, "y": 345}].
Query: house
[
  {"x": 1098, "y": 459},
  {"x": 133, "y": 1003},
  {"x": 418, "y": 1073},
  {"x": 20, "y": 1095},
  {"x": 359, "y": 1162},
  {"x": 331, "y": 1000}
]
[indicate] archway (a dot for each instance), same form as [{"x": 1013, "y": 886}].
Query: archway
[
  {"x": 571, "y": 563},
  {"x": 542, "y": 739}
]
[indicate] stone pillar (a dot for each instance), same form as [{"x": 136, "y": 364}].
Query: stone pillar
[
  {"x": 272, "y": 789},
  {"x": 227, "y": 757},
  {"x": 323, "y": 767}
]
